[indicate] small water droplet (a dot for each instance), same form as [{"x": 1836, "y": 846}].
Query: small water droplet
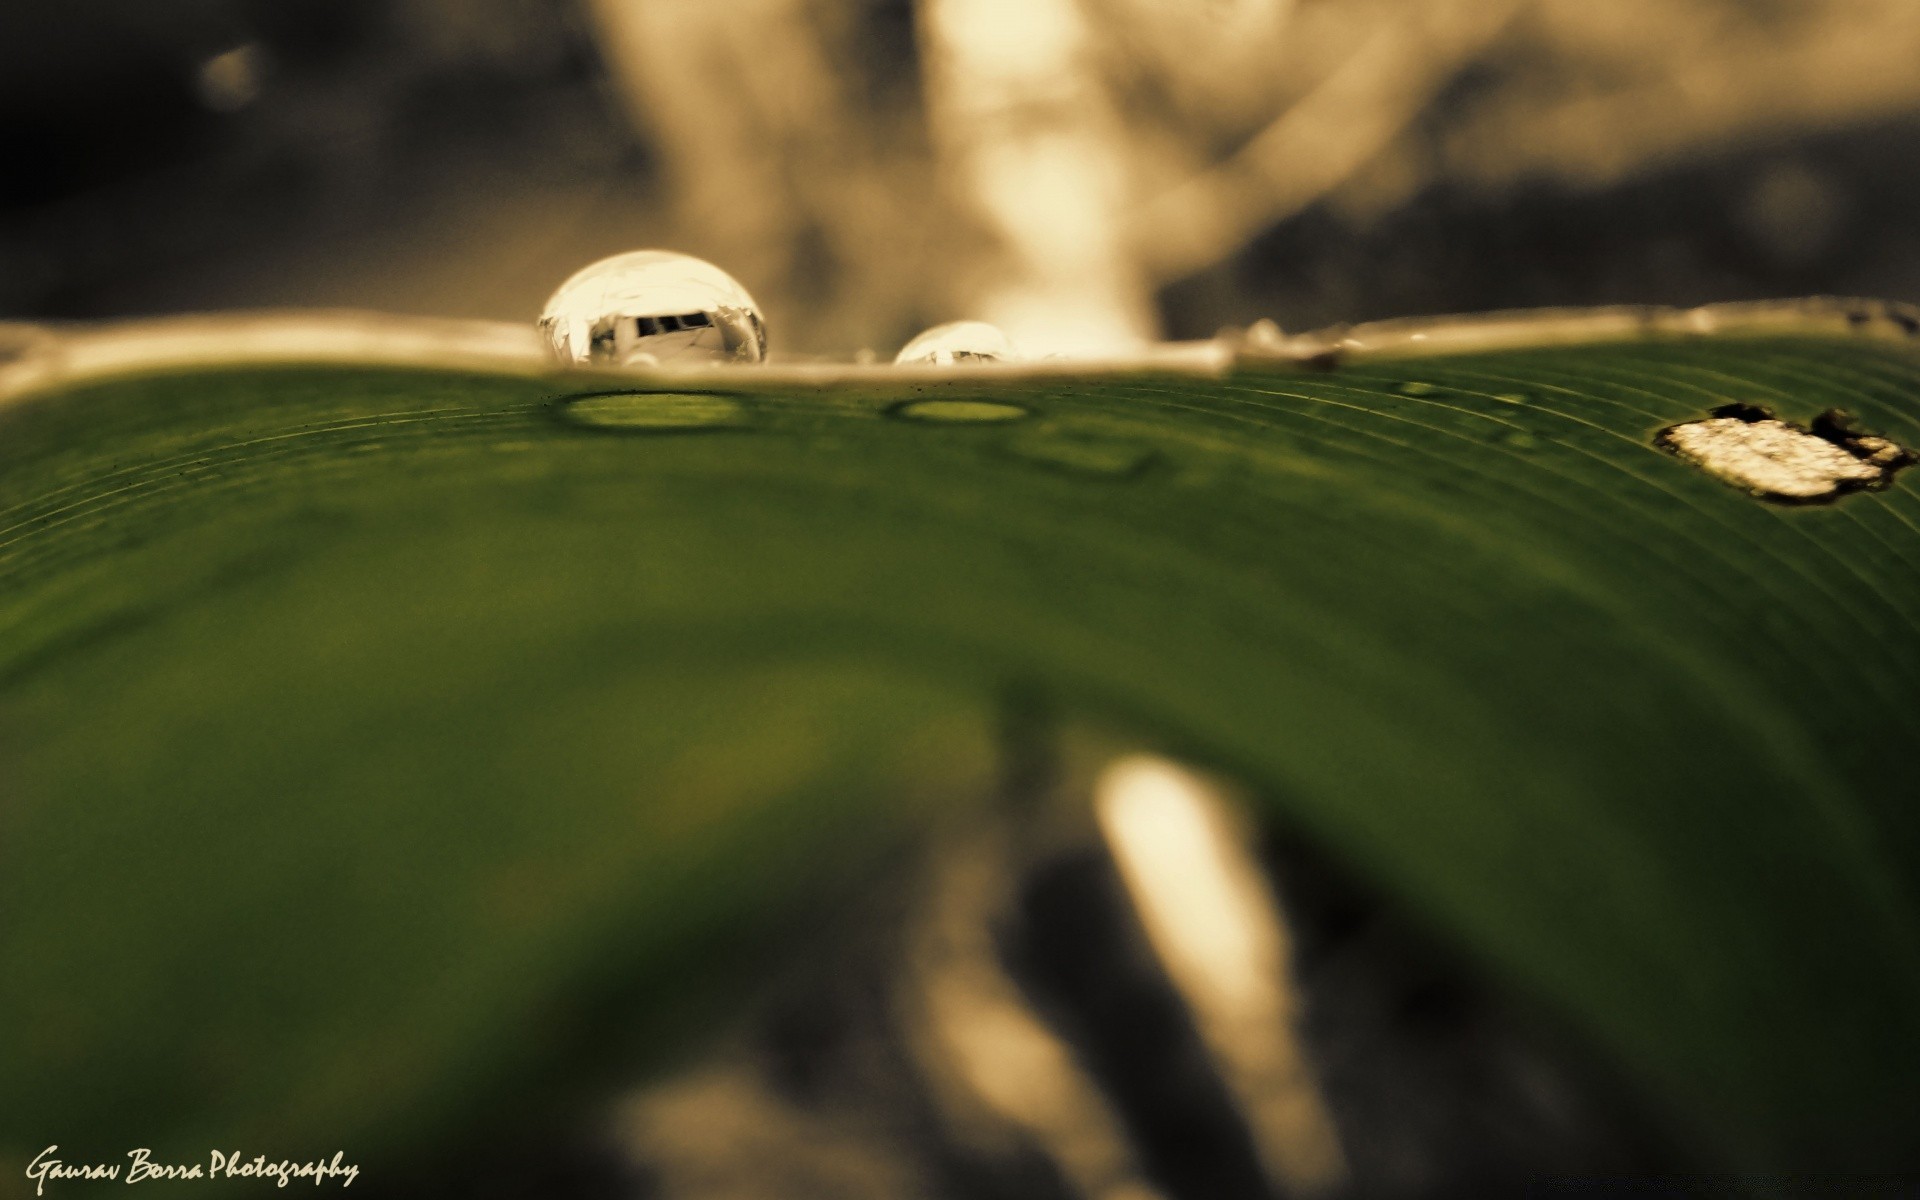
[
  {"x": 1519, "y": 439},
  {"x": 1084, "y": 455},
  {"x": 960, "y": 411},
  {"x": 1415, "y": 387},
  {"x": 1514, "y": 398},
  {"x": 958, "y": 343},
  {"x": 642, "y": 411},
  {"x": 1265, "y": 333}
]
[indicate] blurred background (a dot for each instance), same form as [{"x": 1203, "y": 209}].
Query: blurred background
[{"x": 1086, "y": 173}]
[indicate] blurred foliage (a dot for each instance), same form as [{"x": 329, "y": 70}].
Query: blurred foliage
[{"x": 1082, "y": 171}]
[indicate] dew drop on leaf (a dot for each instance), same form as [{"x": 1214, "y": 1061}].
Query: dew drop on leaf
[
  {"x": 959, "y": 343},
  {"x": 653, "y": 306}
]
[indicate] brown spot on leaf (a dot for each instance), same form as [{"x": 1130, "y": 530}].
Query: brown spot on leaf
[{"x": 1747, "y": 446}]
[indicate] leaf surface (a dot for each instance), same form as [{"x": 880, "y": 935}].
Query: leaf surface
[{"x": 364, "y": 730}]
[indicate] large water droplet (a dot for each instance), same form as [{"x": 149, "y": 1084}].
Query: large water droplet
[
  {"x": 653, "y": 306},
  {"x": 641, "y": 411},
  {"x": 960, "y": 411}
]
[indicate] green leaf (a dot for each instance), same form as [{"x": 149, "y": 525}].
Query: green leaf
[{"x": 366, "y": 732}]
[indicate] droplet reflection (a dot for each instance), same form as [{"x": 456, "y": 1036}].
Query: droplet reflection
[
  {"x": 652, "y": 410},
  {"x": 967, "y": 412}
]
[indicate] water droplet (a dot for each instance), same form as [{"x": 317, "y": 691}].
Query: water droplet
[
  {"x": 959, "y": 343},
  {"x": 642, "y": 411},
  {"x": 1265, "y": 334},
  {"x": 653, "y": 306},
  {"x": 960, "y": 411},
  {"x": 1514, "y": 398},
  {"x": 1416, "y": 387},
  {"x": 1521, "y": 440},
  {"x": 1084, "y": 455}
]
